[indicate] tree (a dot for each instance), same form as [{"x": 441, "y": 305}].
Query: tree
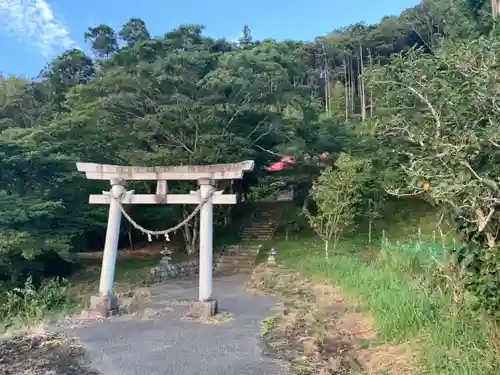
[
  {"x": 246, "y": 37},
  {"x": 103, "y": 40},
  {"x": 336, "y": 193},
  {"x": 134, "y": 31},
  {"x": 444, "y": 139},
  {"x": 69, "y": 69}
]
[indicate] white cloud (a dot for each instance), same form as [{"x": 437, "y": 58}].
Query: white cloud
[{"x": 34, "y": 22}]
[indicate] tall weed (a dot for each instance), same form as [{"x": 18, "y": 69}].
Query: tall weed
[{"x": 30, "y": 304}]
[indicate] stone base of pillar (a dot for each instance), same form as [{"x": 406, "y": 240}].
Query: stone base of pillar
[
  {"x": 103, "y": 306},
  {"x": 206, "y": 309}
]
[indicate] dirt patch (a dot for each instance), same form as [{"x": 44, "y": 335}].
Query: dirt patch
[
  {"x": 387, "y": 359},
  {"x": 42, "y": 354},
  {"x": 320, "y": 331},
  {"x": 219, "y": 318}
]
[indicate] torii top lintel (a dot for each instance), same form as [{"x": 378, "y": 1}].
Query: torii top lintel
[{"x": 229, "y": 171}]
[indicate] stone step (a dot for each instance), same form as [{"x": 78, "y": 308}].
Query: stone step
[
  {"x": 248, "y": 237},
  {"x": 254, "y": 239},
  {"x": 232, "y": 272},
  {"x": 257, "y": 232},
  {"x": 260, "y": 222},
  {"x": 260, "y": 227},
  {"x": 243, "y": 247},
  {"x": 256, "y": 235},
  {"x": 266, "y": 230},
  {"x": 267, "y": 226},
  {"x": 239, "y": 256},
  {"x": 235, "y": 259},
  {"x": 236, "y": 264},
  {"x": 241, "y": 251},
  {"x": 234, "y": 269},
  {"x": 260, "y": 231}
]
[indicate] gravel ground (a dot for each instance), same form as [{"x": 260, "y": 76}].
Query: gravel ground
[
  {"x": 163, "y": 338},
  {"x": 43, "y": 354}
]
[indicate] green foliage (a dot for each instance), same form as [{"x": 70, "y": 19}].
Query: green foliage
[
  {"x": 134, "y": 31},
  {"x": 31, "y": 304},
  {"x": 336, "y": 193},
  {"x": 246, "y": 37},
  {"x": 103, "y": 40},
  {"x": 482, "y": 275},
  {"x": 407, "y": 307},
  {"x": 448, "y": 139}
]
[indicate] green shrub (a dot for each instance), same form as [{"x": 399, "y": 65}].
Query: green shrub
[{"x": 32, "y": 304}]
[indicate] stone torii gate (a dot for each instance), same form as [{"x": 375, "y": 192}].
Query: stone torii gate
[{"x": 204, "y": 198}]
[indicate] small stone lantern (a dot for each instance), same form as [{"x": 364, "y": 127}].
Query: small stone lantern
[
  {"x": 271, "y": 258},
  {"x": 167, "y": 255}
]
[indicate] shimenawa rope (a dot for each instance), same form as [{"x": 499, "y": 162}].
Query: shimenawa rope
[{"x": 163, "y": 232}]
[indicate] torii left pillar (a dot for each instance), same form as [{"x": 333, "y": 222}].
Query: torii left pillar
[{"x": 106, "y": 301}]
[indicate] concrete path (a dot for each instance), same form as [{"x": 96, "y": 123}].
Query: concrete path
[{"x": 165, "y": 343}]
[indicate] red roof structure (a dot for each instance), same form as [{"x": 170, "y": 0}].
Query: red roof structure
[{"x": 285, "y": 160}]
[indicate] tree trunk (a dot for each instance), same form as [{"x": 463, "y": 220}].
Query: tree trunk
[
  {"x": 362, "y": 84},
  {"x": 371, "y": 90},
  {"x": 190, "y": 234},
  {"x": 353, "y": 89},
  {"x": 186, "y": 233},
  {"x": 326, "y": 250},
  {"x": 227, "y": 217},
  {"x": 349, "y": 85},
  {"x": 195, "y": 235},
  {"x": 370, "y": 223},
  {"x": 495, "y": 8},
  {"x": 130, "y": 239},
  {"x": 346, "y": 92},
  {"x": 325, "y": 82}
]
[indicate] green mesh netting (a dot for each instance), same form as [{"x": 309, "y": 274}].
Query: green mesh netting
[{"x": 426, "y": 250}]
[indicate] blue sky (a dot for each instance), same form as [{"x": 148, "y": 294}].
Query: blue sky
[{"x": 33, "y": 31}]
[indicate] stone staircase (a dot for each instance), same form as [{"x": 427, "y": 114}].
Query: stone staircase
[
  {"x": 237, "y": 259},
  {"x": 263, "y": 225},
  {"x": 259, "y": 228}
]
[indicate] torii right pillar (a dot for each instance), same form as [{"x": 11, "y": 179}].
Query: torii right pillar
[{"x": 206, "y": 247}]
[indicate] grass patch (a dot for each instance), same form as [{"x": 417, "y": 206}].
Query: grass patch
[
  {"x": 399, "y": 280},
  {"x": 30, "y": 305},
  {"x": 391, "y": 287},
  {"x": 319, "y": 330},
  {"x": 130, "y": 273}
]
